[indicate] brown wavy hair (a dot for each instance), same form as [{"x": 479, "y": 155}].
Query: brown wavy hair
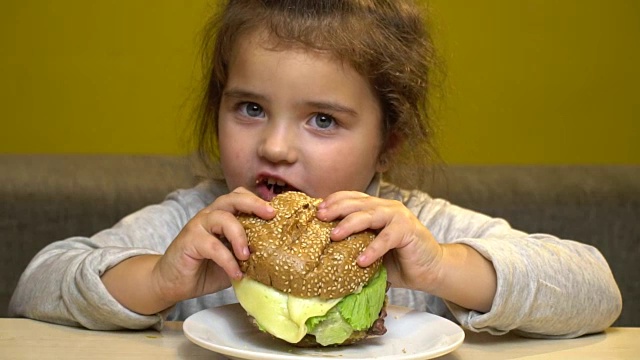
[{"x": 386, "y": 41}]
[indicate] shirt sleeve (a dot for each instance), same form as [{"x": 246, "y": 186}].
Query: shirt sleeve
[
  {"x": 62, "y": 283},
  {"x": 546, "y": 286}
]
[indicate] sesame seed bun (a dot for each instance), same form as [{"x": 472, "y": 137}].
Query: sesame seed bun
[{"x": 293, "y": 252}]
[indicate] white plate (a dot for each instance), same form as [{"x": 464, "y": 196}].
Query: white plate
[{"x": 410, "y": 335}]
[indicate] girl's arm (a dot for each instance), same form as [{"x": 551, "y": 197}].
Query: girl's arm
[
  {"x": 545, "y": 286},
  {"x": 62, "y": 283},
  {"x": 131, "y": 284},
  {"x": 466, "y": 278}
]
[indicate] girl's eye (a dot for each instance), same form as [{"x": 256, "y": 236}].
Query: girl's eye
[
  {"x": 251, "y": 109},
  {"x": 323, "y": 121}
]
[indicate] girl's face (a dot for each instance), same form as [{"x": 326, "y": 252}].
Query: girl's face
[{"x": 293, "y": 119}]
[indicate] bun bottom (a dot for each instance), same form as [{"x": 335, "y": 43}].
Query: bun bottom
[{"x": 309, "y": 341}]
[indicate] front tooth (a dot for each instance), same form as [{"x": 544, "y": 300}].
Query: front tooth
[
  {"x": 280, "y": 183},
  {"x": 271, "y": 181}
]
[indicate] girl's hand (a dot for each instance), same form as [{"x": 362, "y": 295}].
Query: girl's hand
[
  {"x": 412, "y": 256},
  {"x": 414, "y": 264},
  {"x": 202, "y": 258},
  {"x": 199, "y": 261}
]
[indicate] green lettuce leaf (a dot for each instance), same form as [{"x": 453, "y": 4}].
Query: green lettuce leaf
[
  {"x": 357, "y": 311},
  {"x": 362, "y": 309},
  {"x": 332, "y": 329}
]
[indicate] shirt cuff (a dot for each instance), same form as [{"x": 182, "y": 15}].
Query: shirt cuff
[
  {"x": 514, "y": 296},
  {"x": 91, "y": 304}
]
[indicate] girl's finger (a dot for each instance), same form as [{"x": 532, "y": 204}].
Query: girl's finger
[
  {"x": 208, "y": 246},
  {"x": 341, "y": 203},
  {"x": 388, "y": 239},
  {"x": 241, "y": 200},
  {"x": 342, "y": 195},
  {"x": 361, "y": 214},
  {"x": 222, "y": 224},
  {"x": 359, "y": 221}
]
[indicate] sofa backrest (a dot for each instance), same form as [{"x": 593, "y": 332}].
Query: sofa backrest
[{"x": 44, "y": 198}]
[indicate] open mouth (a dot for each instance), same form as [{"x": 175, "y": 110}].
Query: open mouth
[{"x": 268, "y": 188}]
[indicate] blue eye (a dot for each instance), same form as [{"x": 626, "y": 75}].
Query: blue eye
[
  {"x": 252, "y": 109},
  {"x": 323, "y": 121}
]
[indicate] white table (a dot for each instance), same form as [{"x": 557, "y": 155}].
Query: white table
[{"x": 29, "y": 339}]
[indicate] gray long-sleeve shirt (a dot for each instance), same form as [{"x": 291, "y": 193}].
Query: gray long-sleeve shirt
[{"x": 547, "y": 287}]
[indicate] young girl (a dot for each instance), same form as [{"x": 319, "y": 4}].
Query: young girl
[{"x": 320, "y": 97}]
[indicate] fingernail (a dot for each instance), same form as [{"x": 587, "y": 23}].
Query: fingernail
[
  {"x": 362, "y": 258},
  {"x": 245, "y": 251}
]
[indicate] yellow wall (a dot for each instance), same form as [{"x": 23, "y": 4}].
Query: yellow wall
[
  {"x": 541, "y": 81},
  {"x": 531, "y": 81}
]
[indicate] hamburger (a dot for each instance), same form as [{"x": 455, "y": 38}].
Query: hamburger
[{"x": 303, "y": 288}]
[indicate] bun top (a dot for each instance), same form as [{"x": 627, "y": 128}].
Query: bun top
[{"x": 293, "y": 252}]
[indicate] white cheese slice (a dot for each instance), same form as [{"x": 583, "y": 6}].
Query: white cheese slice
[{"x": 280, "y": 314}]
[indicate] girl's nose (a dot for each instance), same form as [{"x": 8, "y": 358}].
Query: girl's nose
[{"x": 278, "y": 144}]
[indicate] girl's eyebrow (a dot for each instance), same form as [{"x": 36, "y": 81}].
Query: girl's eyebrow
[
  {"x": 243, "y": 94},
  {"x": 333, "y": 107}
]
